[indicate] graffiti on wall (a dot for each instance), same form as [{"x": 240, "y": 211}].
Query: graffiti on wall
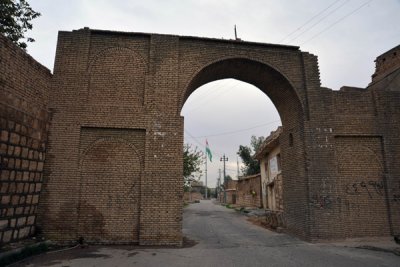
[
  {"x": 322, "y": 201},
  {"x": 372, "y": 188},
  {"x": 323, "y": 198}
]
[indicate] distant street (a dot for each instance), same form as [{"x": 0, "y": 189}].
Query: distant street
[{"x": 220, "y": 237}]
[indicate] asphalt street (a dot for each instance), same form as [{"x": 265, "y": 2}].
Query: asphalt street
[{"x": 220, "y": 237}]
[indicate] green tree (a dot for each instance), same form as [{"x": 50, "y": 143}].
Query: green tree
[
  {"x": 228, "y": 178},
  {"x": 15, "y": 17},
  {"x": 192, "y": 160},
  {"x": 256, "y": 142},
  {"x": 251, "y": 165}
]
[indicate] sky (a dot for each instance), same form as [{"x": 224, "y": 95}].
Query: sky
[{"x": 346, "y": 35}]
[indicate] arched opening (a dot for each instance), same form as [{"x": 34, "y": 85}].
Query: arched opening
[{"x": 288, "y": 105}]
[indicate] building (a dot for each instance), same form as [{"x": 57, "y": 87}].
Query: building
[
  {"x": 231, "y": 191},
  {"x": 195, "y": 191},
  {"x": 269, "y": 156}
]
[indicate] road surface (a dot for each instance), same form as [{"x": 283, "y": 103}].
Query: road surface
[{"x": 221, "y": 237}]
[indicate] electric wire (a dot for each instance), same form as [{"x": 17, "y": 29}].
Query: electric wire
[
  {"x": 239, "y": 130},
  {"x": 308, "y": 21},
  {"x": 318, "y": 22},
  {"x": 215, "y": 94},
  {"x": 336, "y": 22}
]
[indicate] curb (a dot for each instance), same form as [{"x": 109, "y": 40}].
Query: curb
[{"x": 11, "y": 256}]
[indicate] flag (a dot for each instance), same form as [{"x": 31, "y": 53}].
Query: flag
[{"x": 208, "y": 151}]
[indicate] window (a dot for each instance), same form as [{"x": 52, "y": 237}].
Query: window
[{"x": 278, "y": 158}]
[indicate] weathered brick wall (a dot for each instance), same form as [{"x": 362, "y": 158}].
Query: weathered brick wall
[
  {"x": 278, "y": 187},
  {"x": 24, "y": 124},
  {"x": 231, "y": 196},
  {"x": 386, "y": 64},
  {"x": 249, "y": 191},
  {"x": 124, "y": 92},
  {"x": 231, "y": 184},
  {"x": 386, "y": 93},
  {"x": 192, "y": 196}
]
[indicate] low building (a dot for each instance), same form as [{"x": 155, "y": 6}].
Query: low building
[
  {"x": 231, "y": 191},
  {"x": 194, "y": 192},
  {"x": 269, "y": 156}
]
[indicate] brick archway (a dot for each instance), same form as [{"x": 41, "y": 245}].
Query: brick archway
[
  {"x": 283, "y": 94},
  {"x": 132, "y": 86}
]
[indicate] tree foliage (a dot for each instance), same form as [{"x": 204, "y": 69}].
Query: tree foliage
[
  {"x": 192, "y": 160},
  {"x": 251, "y": 165},
  {"x": 228, "y": 178},
  {"x": 15, "y": 17},
  {"x": 256, "y": 142}
]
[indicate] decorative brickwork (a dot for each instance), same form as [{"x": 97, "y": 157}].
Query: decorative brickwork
[{"x": 113, "y": 152}]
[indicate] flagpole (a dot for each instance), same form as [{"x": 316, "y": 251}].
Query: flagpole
[{"x": 206, "y": 175}]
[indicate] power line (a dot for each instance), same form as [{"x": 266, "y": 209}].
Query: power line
[
  {"x": 308, "y": 21},
  {"x": 215, "y": 93},
  {"x": 210, "y": 87},
  {"x": 339, "y": 20},
  {"x": 194, "y": 138},
  {"x": 238, "y": 131},
  {"x": 319, "y": 21}
]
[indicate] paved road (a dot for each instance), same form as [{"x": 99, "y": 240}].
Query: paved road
[{"x": 224, "y": 238}]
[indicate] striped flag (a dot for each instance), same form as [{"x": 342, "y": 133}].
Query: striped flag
[{"x": 208, "y": 151}]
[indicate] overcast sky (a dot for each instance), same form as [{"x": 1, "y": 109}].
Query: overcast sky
[{"x": 346, "y": 35}]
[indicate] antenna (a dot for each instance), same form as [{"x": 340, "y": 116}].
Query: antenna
[
  {"x": 236, "y": 38},
  {"x": 235, "y": 33}
]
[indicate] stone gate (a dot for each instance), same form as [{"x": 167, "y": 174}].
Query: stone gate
[{"x": 107, "y": 128}]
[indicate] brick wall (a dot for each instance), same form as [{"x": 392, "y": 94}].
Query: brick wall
[
  {"x": 386, "y": 64},
  {"x": 123, "y": 92},
  {"x": 231, "y": 196},
  {"x": 24, "y": 124},
  {"x": 249, "y": 191},
  {"x": 192, "y": 196}
]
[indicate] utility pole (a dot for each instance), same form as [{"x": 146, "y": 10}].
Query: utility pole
[
  {"x": 224, "y": 159},
  {"x": 219, "y": 184}
]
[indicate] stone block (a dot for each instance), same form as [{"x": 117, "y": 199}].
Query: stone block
[
  {"x": 10, "y": 212},
  {"x": 31, "y": 220},
  {"x": 19, "y": 211},
  {"x": 5, "y": 175},
  {"x": 10, "y": 151},
  {"x": 4, "y": 136},
  {"x": 4, "y": 187},
  {"x": 21, "y": 221},
  {"x": 24, "y": 232},
  {"x": 15, "y": 200},
  {"x": 5, "y": 200},
  {"x": 17, "y": 151},
  {"x": 7, "y": 236},
  {"x": 3, "y": 149},
  {"x": 15, "y": 138},
  {"x": 3, "y": 224}
]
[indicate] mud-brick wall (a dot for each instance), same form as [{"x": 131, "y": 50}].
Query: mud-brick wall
[{"x": 24, "y": 123}]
